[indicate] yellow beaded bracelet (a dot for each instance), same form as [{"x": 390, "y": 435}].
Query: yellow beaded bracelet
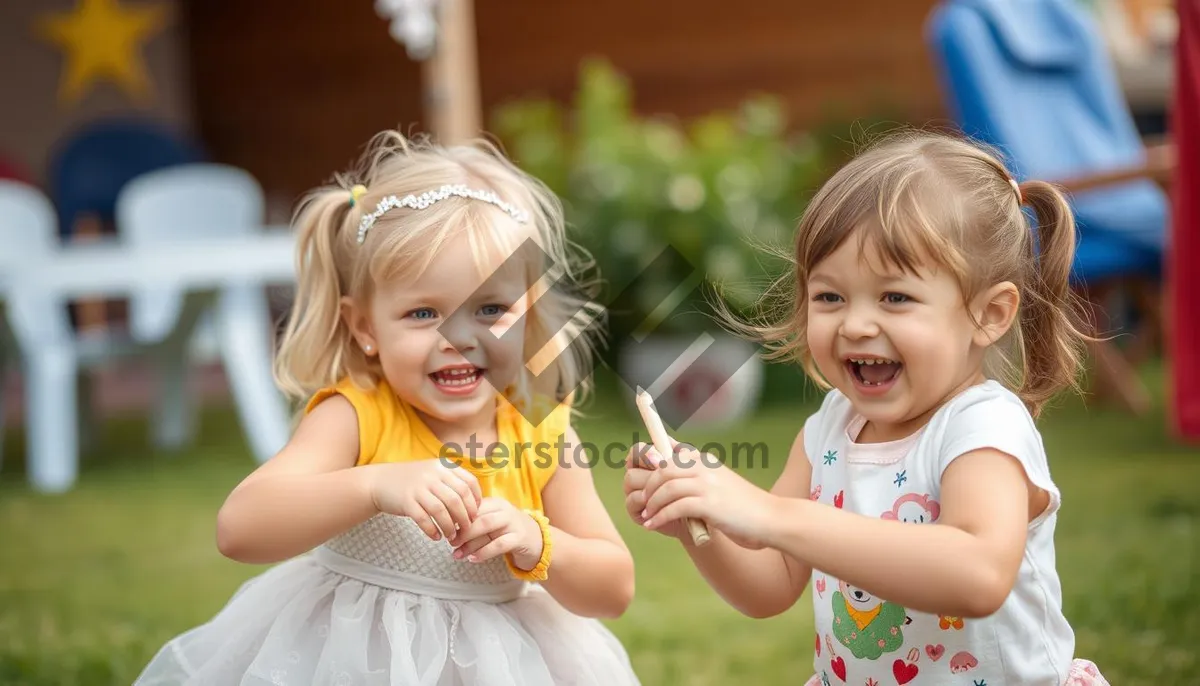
[{"x": 540, "y": 571}]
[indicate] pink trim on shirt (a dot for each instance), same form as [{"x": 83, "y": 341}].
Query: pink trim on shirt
[{"x": 888, "y": 452}]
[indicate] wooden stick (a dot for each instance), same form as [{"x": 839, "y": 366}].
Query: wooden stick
[
  {"x": 658, "y": 435},
  {"x": 451, "y": 75}
]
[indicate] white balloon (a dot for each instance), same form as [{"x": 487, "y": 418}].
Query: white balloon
[{"x": 413, "y": 23}]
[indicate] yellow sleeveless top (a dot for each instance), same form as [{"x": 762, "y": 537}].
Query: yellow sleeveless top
[{"x": 390, "y": 430}]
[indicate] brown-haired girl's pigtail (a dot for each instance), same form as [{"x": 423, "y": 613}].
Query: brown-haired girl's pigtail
[
  {"x": 1051, "y": 323},
  {"x": 310, "y": 354}
]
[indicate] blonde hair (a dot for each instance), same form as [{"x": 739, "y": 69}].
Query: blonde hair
[
  {"x": 916, "y": 194},
  {"x": 318, "y": 350}
]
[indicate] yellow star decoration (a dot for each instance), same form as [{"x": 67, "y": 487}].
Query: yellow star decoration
[{"x": 101, "y": 39}]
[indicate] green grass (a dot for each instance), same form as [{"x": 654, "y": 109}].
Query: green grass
[{"x": 93, "y": 582}]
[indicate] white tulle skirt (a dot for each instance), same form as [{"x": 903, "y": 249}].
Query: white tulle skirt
[{"x": 301, "y": 623}]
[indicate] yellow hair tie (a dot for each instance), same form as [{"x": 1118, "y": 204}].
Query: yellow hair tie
[
  {"x": 357, "y": 192},
  {"x": 540, "y": 572}
]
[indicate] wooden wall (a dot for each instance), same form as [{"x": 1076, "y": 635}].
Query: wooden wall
[
  {"x": 34, "y": 114},
  {"x": 291, "y": 90}
]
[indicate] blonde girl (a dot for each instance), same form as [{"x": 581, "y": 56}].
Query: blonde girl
[
  {"x": 431, "y": 519},
  {"x": 918, "y": 499}
]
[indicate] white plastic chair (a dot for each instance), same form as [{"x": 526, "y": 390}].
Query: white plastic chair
[
  {"x": 190, "y": 204},
  {"x": 27, "y": 231},
  {"x": 43, "y": 343},
  {"x": 175, "y": 206}
]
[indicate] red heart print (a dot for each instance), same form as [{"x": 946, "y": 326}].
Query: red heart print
[
  {"x": 821, "y": 587},
  {"x": 839, "y": 667},
  {"x": 904, "y": 671},
  {"x": 935, "y": 651},
  {"x": 818, "y": 642},
  {"x": 839, "y": 499}
]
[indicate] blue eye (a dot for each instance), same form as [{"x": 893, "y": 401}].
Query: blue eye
[
  {"x": 416, "y": 314},
  {"x": 493, "y": 310}
]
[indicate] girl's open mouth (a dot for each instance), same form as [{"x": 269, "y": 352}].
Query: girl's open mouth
[
  {"x": 457, "y": 380},
  {"x": 872, "y": 372}
]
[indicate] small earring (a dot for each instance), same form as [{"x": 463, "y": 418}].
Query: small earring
[{"x": 367, "y": 348}]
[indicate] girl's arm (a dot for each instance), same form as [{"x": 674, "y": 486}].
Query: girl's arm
[
  {"x": 303, "y": 496},
  {"x": 964, "y": 565},
  {"x": 765, "y": 582},
  {"x": 311, "y": 491},
  {"x": 591, "y": 569}
]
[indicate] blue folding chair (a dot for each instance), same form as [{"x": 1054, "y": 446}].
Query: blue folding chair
[
  {"x": 1033, "y": 78},
  {"x": 89, "y": 169}
]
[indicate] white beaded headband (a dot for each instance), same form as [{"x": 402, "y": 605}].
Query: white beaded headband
[{"x": 420, "y": 202}]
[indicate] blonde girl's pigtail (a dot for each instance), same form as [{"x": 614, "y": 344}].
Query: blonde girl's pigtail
[
  {"x": 315, "y": 338},
  {"x": 1051, "y": 322}
]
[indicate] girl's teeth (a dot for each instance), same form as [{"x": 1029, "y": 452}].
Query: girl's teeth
[
  {"x": 457, "y": 382},
  {"x": 457, "y": 377},
  {"x": 871, "y": 378}
]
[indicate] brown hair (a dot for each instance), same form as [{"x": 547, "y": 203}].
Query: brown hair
[{"x": 914, "y": 194}]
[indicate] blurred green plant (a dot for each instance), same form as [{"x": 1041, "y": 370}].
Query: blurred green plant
[{"x": 717, "y": 189}]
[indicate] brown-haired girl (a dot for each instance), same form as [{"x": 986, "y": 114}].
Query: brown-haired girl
[{"x": 918, "y": 500}]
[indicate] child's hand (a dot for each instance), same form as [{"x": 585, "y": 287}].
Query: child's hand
[
  {"x": 639, "y": 466},
  {"x": 433, "y": 494},
  {"x": 501, "y": 528},
  {"x": 696, "y": 485}
]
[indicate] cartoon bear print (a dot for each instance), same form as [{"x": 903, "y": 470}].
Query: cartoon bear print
[
  {"x": 914, "y": 509},
  {"x": 867, "y": 625}
]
